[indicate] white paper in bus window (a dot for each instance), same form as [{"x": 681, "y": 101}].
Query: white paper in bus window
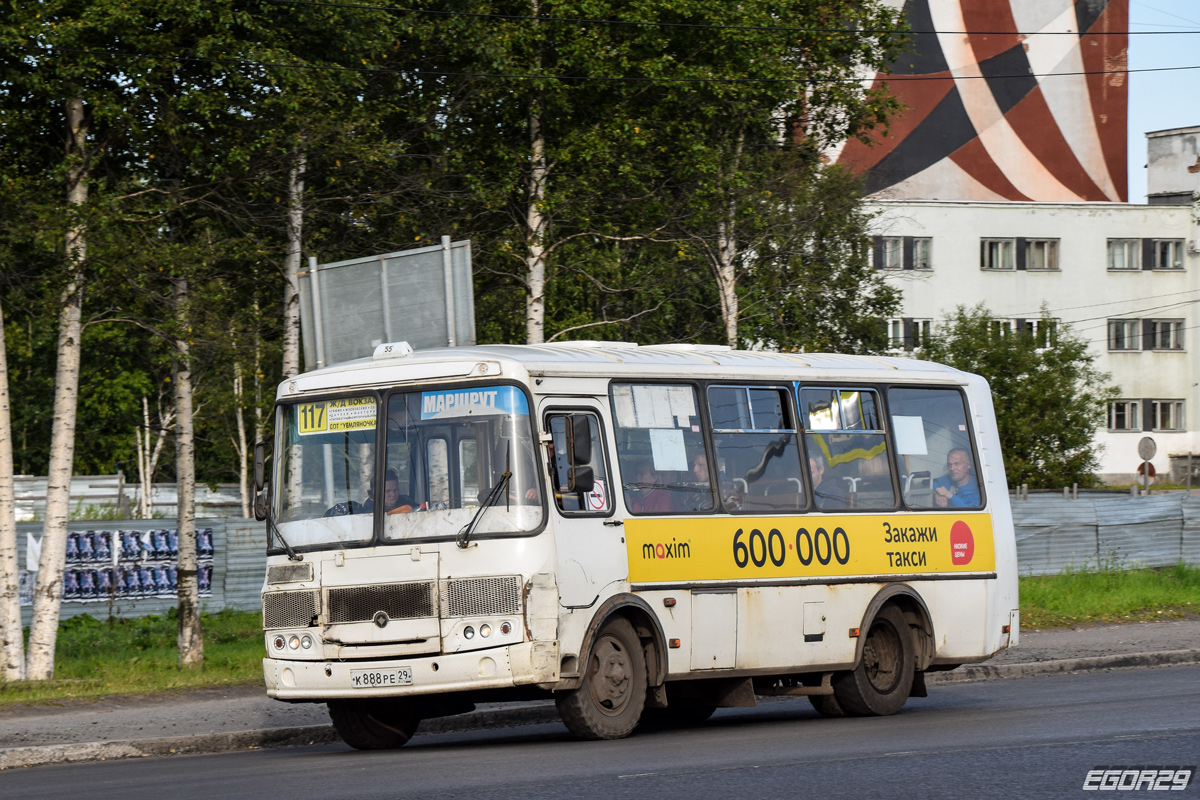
[
  {"x": 623, "y": 405},
  {"x": 666, "y": 445},
  {"x": 910, "y": 436},
  {"x": 682, "y": 405}
]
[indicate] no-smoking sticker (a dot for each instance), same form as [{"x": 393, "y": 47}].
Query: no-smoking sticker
[{"x": 597, "y": 500}]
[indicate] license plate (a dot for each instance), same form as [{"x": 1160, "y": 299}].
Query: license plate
[{"x": 374, "y": 678}]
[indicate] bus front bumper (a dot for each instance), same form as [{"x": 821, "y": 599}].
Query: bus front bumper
[{"x": 496, "y": 668}]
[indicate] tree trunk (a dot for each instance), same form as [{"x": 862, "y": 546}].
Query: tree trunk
[
  {"x": 291, "y": 287},
  {"x": 12, "y": 646},
  {"x": 148, "y": 452},
  {"x": 240, "y": 445},
  {"x": 726, "y": 273},
  {"x": 47, "y": 599},
  {"x": 535, "y": 222},
  {"x": 190, "y": 638},
  {"x": 725, "y": 268}
]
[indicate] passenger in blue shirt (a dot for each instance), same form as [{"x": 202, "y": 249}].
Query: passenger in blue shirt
[{"x": 958, "y": 488}]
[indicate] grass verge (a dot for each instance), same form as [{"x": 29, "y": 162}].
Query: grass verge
[
  {"x": 96, "y": 658},
  {"x": 1105, "y": 594},
  {"x": 137, "y": 656}
]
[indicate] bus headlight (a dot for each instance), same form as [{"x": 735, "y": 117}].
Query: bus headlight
[
  {"x": 294, "y": 641},
  {"x": 468, "y": 632},
  {"x": 306, "y": 641},
  {"x": 485, "y": 630}
]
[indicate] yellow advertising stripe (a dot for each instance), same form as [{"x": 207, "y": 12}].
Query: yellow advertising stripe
[{"x": 733, "y": 548}]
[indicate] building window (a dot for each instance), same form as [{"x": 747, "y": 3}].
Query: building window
[
  {"x": 1168, "y": 254},
  {"x": 996, "y": 253},
  {"x": 1043, "y": 331},
  {"x": 908, "y": 334},
  {"x": 1041, "y": 254},
  {"x": 922, "y": 253},
  {"x": 1124, "y": 334},
  {"x": 1001, "y": 328},
  {"x": 1123, "y": 416},
  {"x": 1124, "y": 254},
  {"x": 1165, "y": 334},
  {"x": 1166, "y": 415},
  {"x": 893, "y": 252}
]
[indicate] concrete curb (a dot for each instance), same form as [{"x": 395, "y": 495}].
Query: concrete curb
[{"x": 511, "y": 716}]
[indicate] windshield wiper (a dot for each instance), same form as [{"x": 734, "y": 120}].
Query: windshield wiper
[
  {"x": 273, "y": 528},
  {"x": 464, "y": 536}
]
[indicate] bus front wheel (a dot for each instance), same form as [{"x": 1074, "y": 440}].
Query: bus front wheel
[
  {"x": 380, "y": 724},
  {"x": 610, "y": 698},
  {"x": 883, "y": 679}
]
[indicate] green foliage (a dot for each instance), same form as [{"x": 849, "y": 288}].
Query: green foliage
[
  {"x": 1049, "y": 400},
  {"x": 1110, "y": 593},
  {"x": 412, "y": 125}
]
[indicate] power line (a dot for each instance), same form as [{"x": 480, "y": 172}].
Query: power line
[
  {"x": 710, "y": 26},
  {"x": 573, "y": 78}
]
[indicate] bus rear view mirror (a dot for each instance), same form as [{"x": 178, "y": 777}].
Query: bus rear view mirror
[
  {"x": 579, "y": 441},
  {"x": 580, "y": 479},
  {"x": 260, "y": 466}
]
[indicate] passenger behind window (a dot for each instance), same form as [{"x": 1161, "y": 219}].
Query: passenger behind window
[
  {"x": 651, "y": 497},
  {"x": 958, "y": 487},
  {"x": 827, "y": 493}
]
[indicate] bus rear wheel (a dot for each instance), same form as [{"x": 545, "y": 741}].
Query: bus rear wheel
[
  {"x": 377, "y": 724},
  {"x": 883, "y": 679},
  {"x": 610, "y": 698}
]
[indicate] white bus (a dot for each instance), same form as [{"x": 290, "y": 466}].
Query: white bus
[{"x": 639, "y": 533}]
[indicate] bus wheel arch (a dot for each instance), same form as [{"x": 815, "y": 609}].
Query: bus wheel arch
[
  {"x": 895, "y": 644},
  {"x": 916, "y": 613},
  {"x": 645, "y": 624}
]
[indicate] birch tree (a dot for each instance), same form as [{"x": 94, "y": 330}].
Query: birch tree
[{"x": 12, "y": 645}]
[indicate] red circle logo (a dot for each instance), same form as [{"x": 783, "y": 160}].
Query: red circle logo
[{"x": 962, "y": 544}]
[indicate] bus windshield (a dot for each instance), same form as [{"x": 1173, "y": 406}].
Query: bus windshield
[{"x": 444, "y": 452}]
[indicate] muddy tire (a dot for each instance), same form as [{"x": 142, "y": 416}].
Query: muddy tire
[
  {"x": 881, "y": 682},
  {"x": 827, "y": 705},
  {"x": 378, "y": 724},
  {"x": 609, "y": 700}
]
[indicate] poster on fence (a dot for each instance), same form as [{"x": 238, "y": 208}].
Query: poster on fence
[{"x": 106, "y": 565}]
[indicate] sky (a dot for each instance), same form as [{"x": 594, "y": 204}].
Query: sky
[{"x": 1160, "y": 100}]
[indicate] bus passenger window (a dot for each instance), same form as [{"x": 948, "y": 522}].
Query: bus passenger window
[
  {"x": 598, "y": 500},
  {"x": 935, "y": 456},
  {"x": 847, "y": 459},
  {"x": 756, "y": 449},
  {"x": 661, "y": 456}
]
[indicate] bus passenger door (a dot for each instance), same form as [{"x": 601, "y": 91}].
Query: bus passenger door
[{"x": 591, "y": 554}]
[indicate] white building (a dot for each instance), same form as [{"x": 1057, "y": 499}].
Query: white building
[{"x": 1126, "y": 277}]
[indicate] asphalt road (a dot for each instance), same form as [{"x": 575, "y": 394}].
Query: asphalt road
[{"x": 1027, "y": 738}]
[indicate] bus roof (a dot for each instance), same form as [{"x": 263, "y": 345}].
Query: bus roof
[{"x": 620, "y": 360}]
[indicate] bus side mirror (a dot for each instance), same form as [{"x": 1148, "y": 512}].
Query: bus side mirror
[
  {"x": 261, "y": 504},
  {"x": 579, "y": 441},
  {"x": 580, "y": 479},
  {"x": 260, "y": 466}
]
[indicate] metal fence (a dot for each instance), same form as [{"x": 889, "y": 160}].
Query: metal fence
[
  {"x": 1053, "y": 533},
  {"x": 237, "y": 562}
]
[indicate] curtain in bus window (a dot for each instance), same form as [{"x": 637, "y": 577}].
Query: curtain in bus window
[
  {"x": 935, "y": 455},
  {"x": 661, "y": 453},
  {"x": 847, "y": 459},
  {"x": 757, "y": 452}
]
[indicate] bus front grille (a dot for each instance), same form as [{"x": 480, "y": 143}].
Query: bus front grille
[
  {"x": 289, "y": 609},
  {"x": 481, "y": 597},
  {"x": 397, "y": 600}
]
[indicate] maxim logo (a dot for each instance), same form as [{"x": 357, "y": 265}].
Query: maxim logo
[{"x": 672, "y": 549}]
